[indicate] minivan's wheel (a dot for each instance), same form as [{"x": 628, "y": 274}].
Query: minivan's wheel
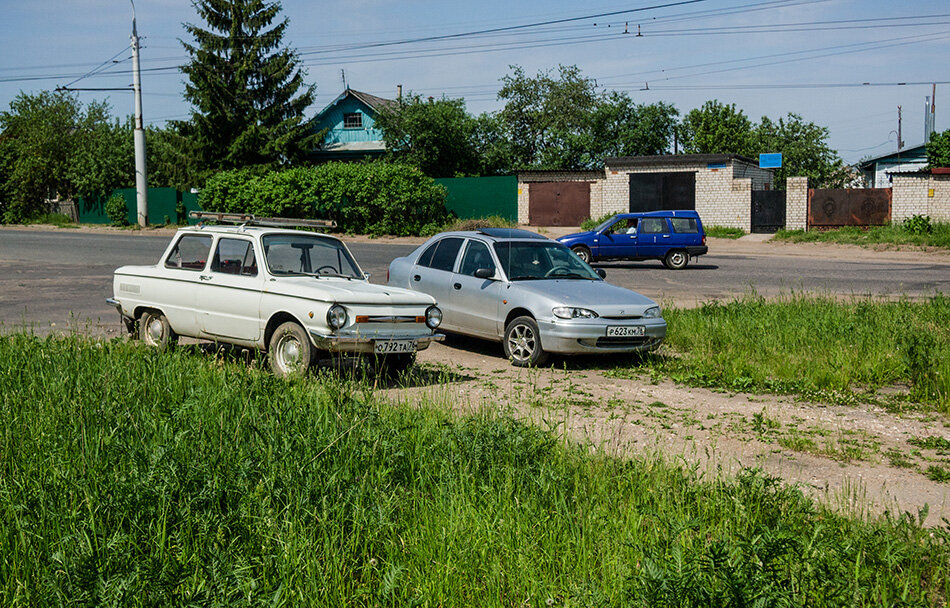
[
  {"x": 155, "y": 330},
  {"x": 583, "y": 253},
  {"x": 523, "y": 343},
  {"x": 676, "y": 259},
  {"x": 290, "y": 352}
]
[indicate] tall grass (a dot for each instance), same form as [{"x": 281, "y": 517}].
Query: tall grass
[
  {"x": 815, "y": 346},
  {"x": 724, "y": 232},
  {"x": 893, "y": 234},
  {"x": 129, "y": 477}
]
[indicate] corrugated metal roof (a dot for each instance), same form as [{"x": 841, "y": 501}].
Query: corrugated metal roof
[{"x": 679, "y": 159}]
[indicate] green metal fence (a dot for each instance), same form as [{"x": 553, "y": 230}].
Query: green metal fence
[
  {"x": 472, "y": 197},
  {"x": 163, "y": 206}
]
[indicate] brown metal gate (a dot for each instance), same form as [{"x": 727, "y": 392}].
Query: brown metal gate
[
  {"x": 851, "y": 207},
  {"x": 558, "y": 203}
]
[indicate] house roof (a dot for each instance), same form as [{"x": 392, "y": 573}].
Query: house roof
[
  {"x": 678, "y": 159},
  {"x": 374, "y": 102},
  {"x": 907, "y": 154}
]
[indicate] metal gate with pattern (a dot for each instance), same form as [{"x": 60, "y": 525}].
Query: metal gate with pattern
[
  {"x": 768, "y": 210},
  {"x": 849, "y": 207}
]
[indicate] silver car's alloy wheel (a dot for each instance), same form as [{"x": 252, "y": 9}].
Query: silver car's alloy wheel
[
  {"x": 523, "y": 343},
  {"x": 290, "y": 352}
]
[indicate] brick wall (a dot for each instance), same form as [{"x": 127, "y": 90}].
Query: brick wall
[
  {"x": 526, "y": 178},
  {"x": 796, "y": 203},
  {"x": 920, "y": 194}
]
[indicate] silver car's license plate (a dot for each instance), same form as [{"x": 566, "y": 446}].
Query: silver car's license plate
[
  {"x": 394, "y": 346},
  {"x": 617, "y": 331}
]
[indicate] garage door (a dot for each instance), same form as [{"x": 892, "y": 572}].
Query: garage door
[
  {"x": 558, "y": 203},
  {"x": 662, "y": 191}
]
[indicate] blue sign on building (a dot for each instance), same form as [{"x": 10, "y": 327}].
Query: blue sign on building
[{"x": 770, "y": 161}]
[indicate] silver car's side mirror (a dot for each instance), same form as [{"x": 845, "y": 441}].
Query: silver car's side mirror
[{"x": 484, "y": 273}]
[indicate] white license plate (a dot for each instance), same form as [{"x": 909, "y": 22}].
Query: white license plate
[
  {"x": 617, "y": 331},
  {"x": 394, "y": 346}
]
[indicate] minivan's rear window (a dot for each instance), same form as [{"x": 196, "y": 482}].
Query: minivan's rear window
[{"x": 684, "y": 224}]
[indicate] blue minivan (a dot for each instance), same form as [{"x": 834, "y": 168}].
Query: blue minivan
[{"x": 671, "y": 236}]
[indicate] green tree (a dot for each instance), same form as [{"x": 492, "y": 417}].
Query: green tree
[
  {"x": 717, "y": 128},
  {"x": 621, "y": 127},
  {"x": 546, "y": 119},
  {"x": 435, "y": 136},
  {"x": 52, "y": 147},
  {"x": 247, "y": 94},
  {"x": 805, "y": 151},
  {"x": 938, "y": 149},
  {"x": 172, "y": 159}
]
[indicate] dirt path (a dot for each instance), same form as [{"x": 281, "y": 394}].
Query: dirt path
[{"x": 856, "y": 459}]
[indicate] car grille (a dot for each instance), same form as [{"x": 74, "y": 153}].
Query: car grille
[{"x": 621, "y": 317}]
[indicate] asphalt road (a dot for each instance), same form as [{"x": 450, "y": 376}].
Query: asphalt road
[{"x": 60, "y": 279}]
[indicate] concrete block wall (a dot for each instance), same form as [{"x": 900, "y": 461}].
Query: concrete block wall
[
  {"x": 796, "y": 203},
  {"x": 526, "y": 178},
  {"x": 920, "y": 194},
  {"x": 722, "y": 200}
]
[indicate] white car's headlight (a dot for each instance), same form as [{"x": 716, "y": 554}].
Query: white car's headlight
[
  {"x": 652, "y": 313},
  {"x": 336, "y": 316},
  {"x": 433, "y": 317},
  {"x": 569, "y": 312}
]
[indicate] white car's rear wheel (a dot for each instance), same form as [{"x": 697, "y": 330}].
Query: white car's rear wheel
[
  {"x": 523, "y": 343},
  {"x": 290, "y": 352},
  {"x": 155, "y": 331}
]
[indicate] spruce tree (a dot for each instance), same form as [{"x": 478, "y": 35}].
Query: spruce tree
[{"x": 247, "y": 94}]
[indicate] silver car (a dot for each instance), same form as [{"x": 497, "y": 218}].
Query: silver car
[{"x": 532, "y": 293}]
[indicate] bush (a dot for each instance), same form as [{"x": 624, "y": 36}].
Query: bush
[
  {"x": 591, "y": 223},
  {"x": 376, "y": 198},
  {"x": 117, "y": 210},
  {"x": 918, "y": 224}
]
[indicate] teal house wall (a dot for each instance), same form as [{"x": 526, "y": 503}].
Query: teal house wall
[{"x": 349, "y": 142}]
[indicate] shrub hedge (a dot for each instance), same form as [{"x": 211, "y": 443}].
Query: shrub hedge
[{"x": 372, "y": 198}]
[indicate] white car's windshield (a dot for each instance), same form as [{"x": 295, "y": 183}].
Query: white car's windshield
[
  {"x": 526, "y": 260},
  {"x": 308, "y": 254}
]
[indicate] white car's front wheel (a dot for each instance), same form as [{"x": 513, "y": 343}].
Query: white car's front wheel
[
  {"x": 290, "y": 352},
  {"x": 155, "y": 330}
]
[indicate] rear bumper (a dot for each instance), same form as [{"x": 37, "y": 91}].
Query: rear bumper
[
  {"x": 591, "y": 336},
  {"x": 697, "y": 250}
]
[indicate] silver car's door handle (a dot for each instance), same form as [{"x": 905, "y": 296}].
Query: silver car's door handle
[
  {"x": 205, "y": 277},
  {"x": 416, "y": 277},
  {"x": 457, "y": 285}
]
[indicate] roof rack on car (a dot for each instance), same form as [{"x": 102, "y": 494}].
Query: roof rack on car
[{"x": 246, "y": 219}]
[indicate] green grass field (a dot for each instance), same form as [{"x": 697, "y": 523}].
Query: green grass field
[
  {"x": 135, "y": 478},
  {"x": 894, "y": 234},
  {"x": 814, "y": 346}
]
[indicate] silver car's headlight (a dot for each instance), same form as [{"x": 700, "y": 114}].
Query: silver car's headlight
[
  {"x": 336, "y": 316},
  {"x": 569, "y": 312},
  {"x": 652, "y": 313},
  {"x": 433, "y": 317}
]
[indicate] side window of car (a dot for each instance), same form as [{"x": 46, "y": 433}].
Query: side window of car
[
  {"x": 653, "y": 225},
  {"x": 445, "y": 254},
  {"x": 684, "y": 224},
  {"x": 426, "y": 258},
  {"x": 476, "y": 256},
  {"x": 632, "y": 225},
  {"x": 235, "y": 256},
  {"x": 190, "y": 252},
  {"x": 618, "y": 227}
]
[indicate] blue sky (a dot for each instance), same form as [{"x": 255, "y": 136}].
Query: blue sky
[{"x": 762, "y": 55}]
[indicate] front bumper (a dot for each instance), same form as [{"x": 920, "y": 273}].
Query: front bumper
[
  {"x": 363, "y": 343},
  {"x": 590, "y": 335}
]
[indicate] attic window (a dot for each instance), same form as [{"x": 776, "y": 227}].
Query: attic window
[{"x": 353, "y": 120}]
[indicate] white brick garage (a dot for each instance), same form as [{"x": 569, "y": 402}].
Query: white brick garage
[{"x": 723, "y": 185}]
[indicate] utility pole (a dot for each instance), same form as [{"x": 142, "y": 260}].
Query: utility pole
[
  {"x": 141, "y": 175},
  {"x": 900, "y": 142}
]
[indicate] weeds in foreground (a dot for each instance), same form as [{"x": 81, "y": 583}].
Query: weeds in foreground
[{"x": 130, "y": 477}]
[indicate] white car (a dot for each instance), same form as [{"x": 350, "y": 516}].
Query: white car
[{"x": 290, "y": 293}]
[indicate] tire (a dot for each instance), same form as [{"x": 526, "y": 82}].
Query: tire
[
  {"x": 522, "y": 343},
  {"x": 583, "y": 253},
  {"x": 676, "y": 259},
  {"x": 393, "y": 366},
  {"x": 155, "y": 331},
  {"x": 290, "y": 352}
]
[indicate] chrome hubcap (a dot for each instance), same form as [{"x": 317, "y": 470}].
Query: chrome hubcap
[
  {"x": 521, "y": 342},
  {"x": 677, "y": 259},
  {"x": 288, "y": 353},
  {"x": 155, "y": 330}
]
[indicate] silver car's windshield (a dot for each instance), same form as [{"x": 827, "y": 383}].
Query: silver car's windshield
[
  {"x": 527, "y": 260},
  {"x": 308, "y": 254}
]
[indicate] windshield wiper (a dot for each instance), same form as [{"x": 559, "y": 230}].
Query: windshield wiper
[{"x": 525, "y": 278}]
